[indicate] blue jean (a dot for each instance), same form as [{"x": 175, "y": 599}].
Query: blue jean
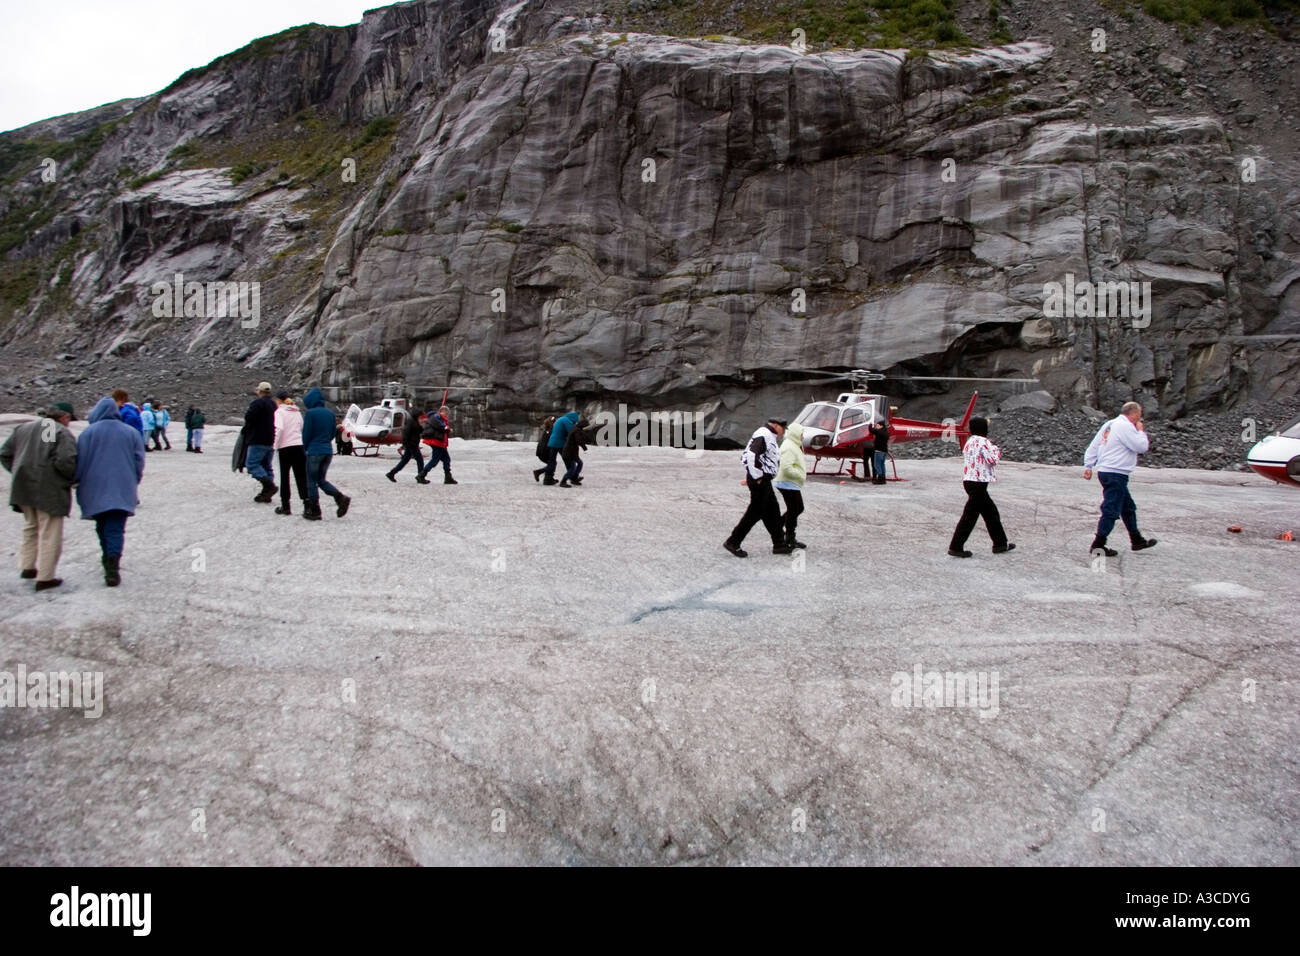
[
  {"x": 437, "y": 455},
  {"x": 551, "y": 454},
  {"x": 880, "y": 464},
  {"x": 317, "y": 466},
  {"x": 260, "y": 462},
  {"x": 111, "y": 528},
  {"x": 409, "y": 454},
  {"x": 574, "y": 469},
  {"x": 1116, "y": 504}
]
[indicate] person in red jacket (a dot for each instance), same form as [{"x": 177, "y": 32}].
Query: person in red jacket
[{"x": 436, "y": 434}]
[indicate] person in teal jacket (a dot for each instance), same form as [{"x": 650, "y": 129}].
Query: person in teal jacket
[
  {"x": 559, "y": 435},
  {"x": 148, "y": 424},
  {"x": 790, "y": 477},
  {"x": 318, "y": 445},
  {"x": 161, "y": 419}
]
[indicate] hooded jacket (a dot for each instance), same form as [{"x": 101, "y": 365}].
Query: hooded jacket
[
  {"x": 762, "y": 454},
  {"x": 288, "y": 426},
  {"x": 317, "y": 425},
  {"x": 197, "y": 419},
  {"x": 42, "y": 455},
  {"x": 131, "y": 415},
  {"x": 162, "y": 418},
  {"x": 110, "y": 462},
  {"x": 147, "y": 421},
  {"x": 792, "y": 467},
  {"x": 560, "y": 430}
]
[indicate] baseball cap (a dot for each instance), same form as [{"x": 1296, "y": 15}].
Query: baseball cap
[
  {"x": 263, "y": 386},
  {"x": 66, "y": 408}
]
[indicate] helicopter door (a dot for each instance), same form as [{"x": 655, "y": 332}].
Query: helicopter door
[
  {"x": 350, "y": 422},
  {"x": 853, "y": 423},
  {"x": 398, "y": 417}
]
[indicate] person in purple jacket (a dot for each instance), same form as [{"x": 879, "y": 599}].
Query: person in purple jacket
[{"x": 110, "y": 464}]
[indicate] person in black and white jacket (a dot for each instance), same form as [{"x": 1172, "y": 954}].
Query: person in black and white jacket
[{"x": 761, "y": 459}]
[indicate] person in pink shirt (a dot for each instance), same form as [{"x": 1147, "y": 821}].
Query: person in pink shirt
[
  {"x": 980, "y": 457},
  {"x": 288, "y": 442}
]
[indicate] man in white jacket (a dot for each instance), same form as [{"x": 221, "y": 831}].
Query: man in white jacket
[
  {"x": 761, "y": 459},
  {"x": 1114, "y": 453}
]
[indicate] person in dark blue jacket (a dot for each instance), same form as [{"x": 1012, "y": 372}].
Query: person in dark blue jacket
[
  {"x": 259, "y": 441},
  {"x": 317, "y": 442},
  {"x": 559, "y": 435},
  {"x": 110, "y": 464}
]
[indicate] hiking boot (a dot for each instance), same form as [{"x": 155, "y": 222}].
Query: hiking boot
[
  {"x": 564, "y": 483},
  {"x": 283, "y": 510},
  {"x": 391, "y": 477},
  {"x": 1099, "y": 544},
  {"x": 198, "y": 451},
  {"x": 28, "y": 574},
  {"x": 1141, "y": 544},
  {"x": 269, "y": 488},
  {"x": 955, "y": 553},
  {"x": 111, "y": 576},
  {"x": 549, "y": 481},
  {"x": 782, "y": 548},
  {"x": 576, "y": 481},
  {"x": 735, "y": 549},
  {"x": 537, "y": 473},
  {"x": 342, "y": 501},
  {"x": 311, "y": 510},
  {"x": 791, "y": 542},
  {"x": 1003, "y": 549},
  {"x": 449, "y": 480},
  {"x": 46, "y": 585},
  {"x": 420, "y": 479}
]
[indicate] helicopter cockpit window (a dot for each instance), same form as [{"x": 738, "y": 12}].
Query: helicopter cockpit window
[
  {"x": 1292, "y": 430},
  {"x": 818, "y": 416},
  {"x": 376, "y": 416}
]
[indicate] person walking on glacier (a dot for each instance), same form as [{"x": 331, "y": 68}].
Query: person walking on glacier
[
  {"x": 980, "y": 458},
  {"x": 317, "y": 442},
  {"x": 110, "y": 464},
  {"x": 762, "y": 460},
  {"x": 42, "y": 456},
  {"x": 1114, "y": 453}
]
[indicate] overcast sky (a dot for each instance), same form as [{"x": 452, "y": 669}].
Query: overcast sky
[{"x": 61, "y": 56}]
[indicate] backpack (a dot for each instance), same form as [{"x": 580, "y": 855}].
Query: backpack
[{"x": 546, "y": 437}]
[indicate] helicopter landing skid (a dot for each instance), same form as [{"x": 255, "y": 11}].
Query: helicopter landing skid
[{"x": 853, "y": 469}]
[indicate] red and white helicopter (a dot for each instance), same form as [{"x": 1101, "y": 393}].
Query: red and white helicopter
[
  {"x": 1278, "y": 455},
  {"x": 372, "y": 428},
  {"x": 840, "y": 429}
]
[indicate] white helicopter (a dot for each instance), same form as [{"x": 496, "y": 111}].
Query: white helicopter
[
  {"x": 378, "y": 425},
  {"x": 1278, "y": 455}
]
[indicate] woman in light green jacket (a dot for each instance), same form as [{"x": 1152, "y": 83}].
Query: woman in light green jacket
[{"x": 789, "y": 481}]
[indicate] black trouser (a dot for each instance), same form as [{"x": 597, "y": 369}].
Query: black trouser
[
  {"x": 793, "y": 508},
  {"x": 978, "y": 505},
  {"x": 410, "y": 453},
  {"x": 763, "y": 507},
  {"x": 293, "y": 458},
  {"x": 868, "y": 461}
]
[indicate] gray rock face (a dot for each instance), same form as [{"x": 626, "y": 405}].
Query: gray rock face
[{"x": 588, "y": 217}]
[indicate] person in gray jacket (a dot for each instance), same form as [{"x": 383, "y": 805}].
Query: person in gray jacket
[{"x": 42, "y": 456}]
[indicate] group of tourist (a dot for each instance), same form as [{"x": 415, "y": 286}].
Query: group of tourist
[
  {"x": 773, "y": 461},
  {"x": 104, "y": 463}
]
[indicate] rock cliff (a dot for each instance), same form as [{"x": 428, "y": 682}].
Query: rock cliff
[{"x": 515, "y": 195}]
